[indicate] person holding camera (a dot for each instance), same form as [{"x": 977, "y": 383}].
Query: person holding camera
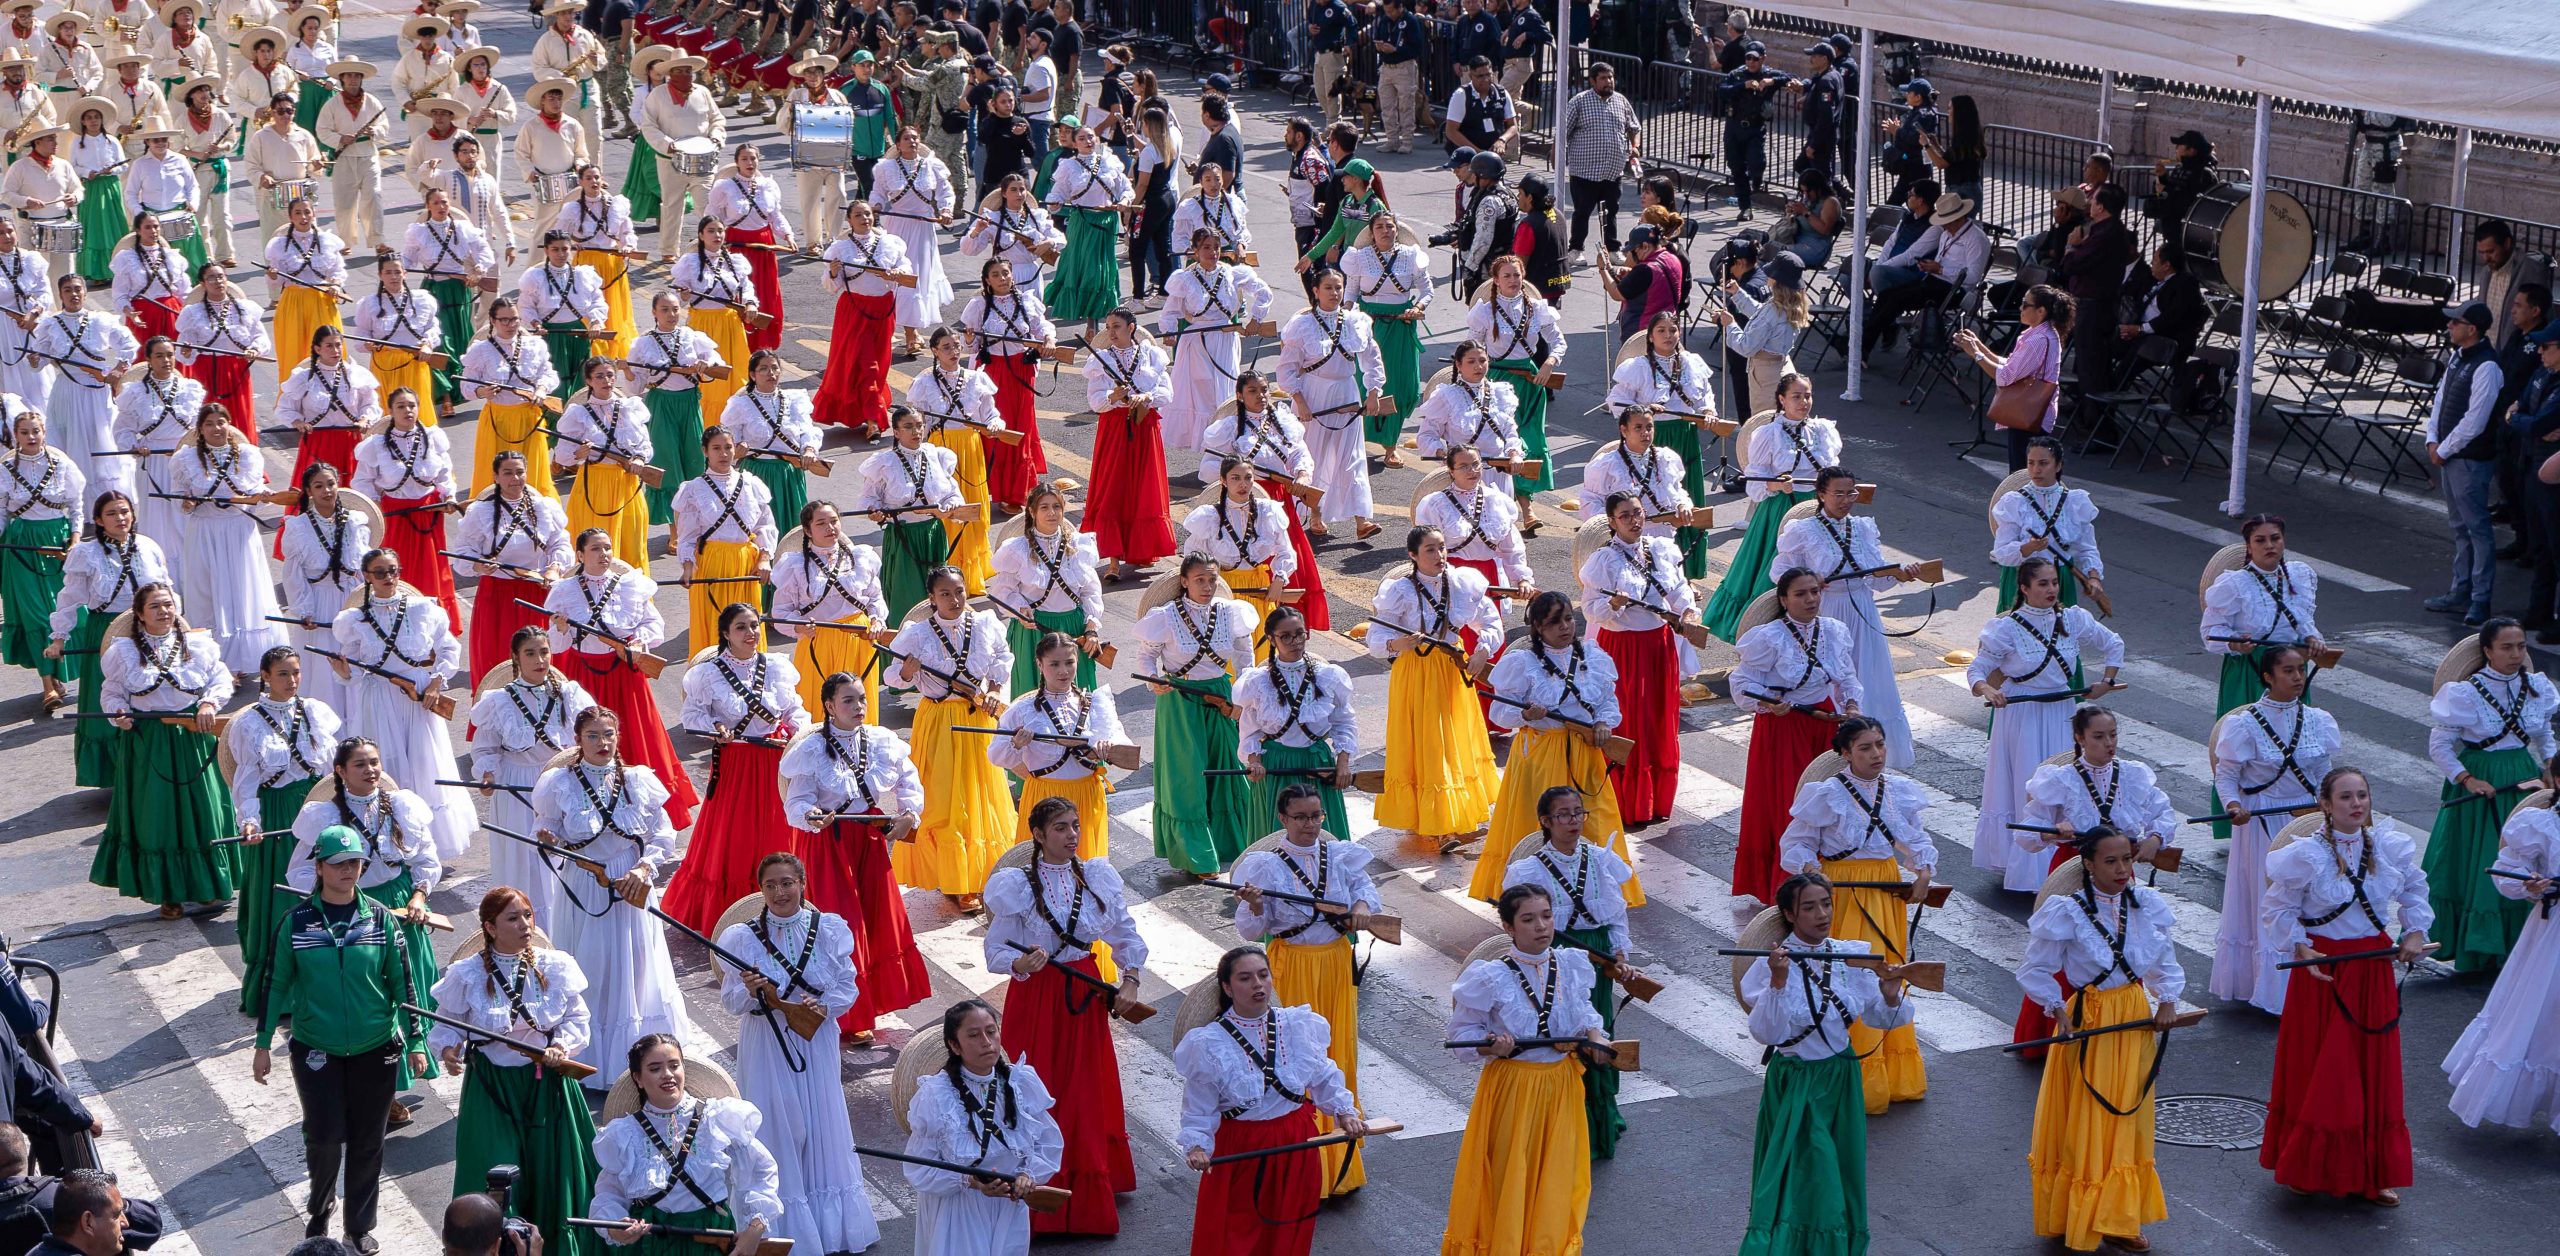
[{"x": 478, "y": 1225}]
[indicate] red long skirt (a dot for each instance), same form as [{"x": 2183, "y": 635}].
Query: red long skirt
[
  {"x": 495, "y": 618},
  {"x": 855, "y": 391},
  {"x": 1012, "y": 469},
  {"x": 226, "y": 380},
  {"x": 2034, "y": 1022},
  {"x": 1262, "y": 1207},
  {"x": 335, "y": 446},
  {"x": 1317, "y": 609},
  {"x": 620, "y": 687},
  {"x": 1781, "y": 746},
  {"x": 764, "y": 270},
  {"x": 2334, "y": 1120},
  {"x": 153, "y": 316},
  {"x": 1649, "y": 714},
  {"x": 416, "y": 537},
  {"x": 1128, "y": 509},
  {"x": 1064, "y": 1027},
  {"x": 849, "y": 875},
  {"x": 741, "y": 823}
]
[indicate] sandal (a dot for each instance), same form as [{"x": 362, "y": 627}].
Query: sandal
[
  {"x": 2126, "y": 1242},
  {"x": 1365, "y": 531},
  {"x": 171, "y": 911},
  {"x": 2386, "y": 1197}
]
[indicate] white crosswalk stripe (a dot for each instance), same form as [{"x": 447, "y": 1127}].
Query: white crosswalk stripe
[{"x": 120, "y": 1153}]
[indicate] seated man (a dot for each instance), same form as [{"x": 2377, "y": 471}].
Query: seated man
[
  {"x": 27, "y": 1199},
  {"x": 1952, "y": 254}
]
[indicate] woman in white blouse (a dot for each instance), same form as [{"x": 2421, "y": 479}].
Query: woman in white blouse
[
  {"x": 1330, "y": 365},
  {"x": 513, "y": 541},
  {"x": 226, "y": 573},
  {"x": 913, "y": 191},
  {"x": 407, "y": 467},
  {"x": 1797, "y": 676},
  {"x": 161, "y": 682},
  {"x": 2042, "y": 517},
  {"x": 1392, "y": 284},
  {"x": 1194, "y": 644},
  {"x": 777, "y": 439},
  {"x": 518, "y": 1108},
  {"x": 511, "y": 373},
  {"x": 2505, "y": 1068},
  {"x": 2268, "y": 600},
  {"x": 2090, "y": 1161},
  {"x": 153, "y": 414},
  {"x": 1523, "y": 1179},
  {"x": 866, "y": 267},
  {"x": 389, "y": 627},
  {"x": 1676, "y": 385},
  {"x": 41, "y": 492},
  {"x": 1779, "y": 464},
  {"x": 1520, "y": 330},
  {"x": 2490, "y": 735},
  {"x": 226, "y": 333},
  {"x": 724, "y": 537},
  {"x": 1295, "y": 722},
  {"x": 1058, "y": 911},
  {"x": 330, "y": 400},
  {"x": 1838, "y": 545},
  {"x": 750, "y": 203},
  {"x": 1246, "y": 534},
  {"x": 279, "y": 747},
  {"x": 911, "y": 489},
  {"x": 2093, "y": 787},
  {"x": 2029, "y": 666},
  {"x": 969, "y": 815},
  {"x": 1088, "y": 195},
  {"x": 1256, "y": 1077},
  {"x": 1863, "y": 824},
  {"x": 1632, "y": 597},
  {"x": 307, "y": 270},
  {"x": 827, "y": 595},
  {"x": 669, "y": 366},
  {"x": 2268, "y": 759},
  {"x": 1217, "y": 209},
  {"x": 719, "y": 289},
  {"x": 958, "y": 402},
  {"x": 1439, "y": 626},
  {"x": 1054, "y": 736},
  {"x": 714, "y": 1142},
  {"x": 148, "y": 280},
  {"x": 1005, "y": 329},
  {"x": 599, "y": 807},
  {"x": 398, "y": 829},
  {"x": 1208, "y": 306},
  {"x": 101, "y": 572},
  {"x": 599, "y": 226},
  {"x": 1552, "y": 675},
  {"x": 1128, "y": 507},
  {"x": 747, "y": 702},
  {"x": 604, "y": 618},
  {"x": 2334, "y": 1119},
  {"x": 1012, "y": 227},
  {"x": 97, "y": 158},
  {"x": 991, "y": 1114},
  {"x": 801, "y": 955},
  {"x": 835, "y": 778},
  {"x": 1591, "y": 887},
  {"x": 1472, "y": 412},
  {"x": 602, "y": 435},
  {"x": 1047, "y": 579},
  {"x": 516, "y": 730},
  {"x": 96, "y": 353},
  {"x": 1264, "y": 432},
  {"x": 1640, "y": 468}
]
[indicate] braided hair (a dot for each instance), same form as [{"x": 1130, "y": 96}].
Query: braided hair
[
  {"x": 953, "y": 1018},
  {"x": 492, "y": 905}
]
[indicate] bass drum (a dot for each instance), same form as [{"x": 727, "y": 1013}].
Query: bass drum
[
  {"x": 2216, "y": 238},
  {"x": 821, "y": 136}
]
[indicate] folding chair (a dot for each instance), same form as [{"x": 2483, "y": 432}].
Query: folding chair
[
  {"x": 2399, "y": 412},
  {"x": 2199, "y": 403},
  {"x": 2143, "y": 382}
]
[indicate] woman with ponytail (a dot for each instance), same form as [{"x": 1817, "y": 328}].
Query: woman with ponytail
[
  {"x": 1246, "y": 531},
  {"x": 162, "y": 682},
  {"x": 2491, "y": 735},
  {"x": 392, "y": 629},
  {"x": 776, "y": 433},
  {"x": 224, "y": 564},
  {"x": 984, "y": 1111},
  {"x": 1201, "y": 641},
  {"x": 969, "y": 815},
  {"x": 719, "y": 287},
  {"x": 1263, "y": 432},
  {"x": 1643, "y": 650},
  {"x": 280, "y": 747},
  {"x": 748, "y": 703},
  {"x": 1784, "y": 456},
  {"x": 834, "y": 775},
  {"x": 41, "y": 494},
  {"x": 322, "y": 550},
  {"x": 1253, "y": 1078},
  {"x": 1591, "y": 886},
  {"x": 1057, "y": 706},
  {"x": 510, "y": 372},
  {"x": 958, "y": 402},
  {"x": 1050, "y": 572},
  {"x": 2029, "y": 666},
  {"x": 407, "y": 467},
  {"x": 516, "y": 730},
  {"x": 827, "y": 580},
  {"x": 102, "y": 574},
  {"x": 1296, "y": 723},
  {"x": 1440, "y": 774},
  {"x": 906, "y": 488},
  {"x": 1796, "y": 677},
  {"x": 595, "y": 805},
  {"x": 724, "y": 538}
]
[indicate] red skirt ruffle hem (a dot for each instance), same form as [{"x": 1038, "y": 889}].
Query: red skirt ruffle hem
[
  {"x": 1649, "y": 714},
  {"x": 2334, "y": 1118},
  {"x": 855, "y": 390},
  {"x": 416, "y": 537},
  {"x": 1263, "y": 1207},
  {"x": 1128, "y": 509},
  {"x": 1064, "y": 1027},
  {"x": 1011, "y": 469},
  {"x": 226, "y": 380}
]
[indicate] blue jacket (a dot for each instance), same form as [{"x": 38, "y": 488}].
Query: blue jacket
[{"x": 1334, "y": 26}]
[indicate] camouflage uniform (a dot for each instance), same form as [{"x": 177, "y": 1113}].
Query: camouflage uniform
[{"x": 944, "y": 85}]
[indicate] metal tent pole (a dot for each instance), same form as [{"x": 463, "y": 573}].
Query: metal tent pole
[
  {"x": 2106, "y": 106},
  {"x": 2453, "y": 242},
  {"x": 1862, "y": 127},
  {"x": 2246, "y": 383}
]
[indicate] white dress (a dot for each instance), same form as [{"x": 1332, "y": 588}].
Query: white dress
[
  {"x": 2268, "y": 755},
  {"x": 1482, "y": 416},
  {"x": 1831, "y": 548},
  {"x": 619, "y": 819},
  {"x": 79, "y": 408},
  {"x": 516, "y": 730},
  {"x": 2038, "y": 651},
  {"x": 1329, "y": 361},
  {"x": 797, "y": 1083},
  {"x": 2506, "y": 1066},
  {"x": 154, "y": 415},
  {"x": 1205, "y": 363},
  {"x": 278, "y": 743},
  {"x": 952, "y": 1218},
  {"x": 913, "y": 194},
  {"x": 411, "y": 637},
  {"x": 1657, "y": 478},
  {"x": 229, "y": 588},
  {"x": 726, "y": 1157}
]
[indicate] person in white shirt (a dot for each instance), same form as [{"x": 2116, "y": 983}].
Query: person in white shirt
[
  {"x": 330, "y": 401},
  {"x": 394, "y": 629},
  {"x": 746, "y": 702},
  {"x": 865, "y": 268},
  {"x": 140, "y": 104},
  {"x": 307, "y": 272},
  {"x": 1046, "y": 579},
  {"x": 911, "y": 490},
  {"x": 569, "y": 52},
  {"x": 1391, "y": 283},
  {"x": 206, "y": 135},
  {"x": 1010, "y": 225},
  {"x": 1128, "y": 504},
  {"x": 1471, "y": 411},
  {"x": 1639, "y": 468},
  {"x": 406, "y": 324},
  {"x": 612, "y": 812},
  {"x": 149, "y": 279},
  {"x": 26, "y": 286},
  {"x": 1208, "y": 307},
  {"x": 1839, "y": 546},
  {"x": 153, "y": 414},
  {"x": 489, "y": 108},
  {"x": 1057, "y": 736},
  {"x": 914, "y": 194},
  {"x": 679, "y": 110},
  {"x": 819, "y": 190},
  {"x": 667, "y": 367},
  {"x": 2029, "y": 664},
  {"x": 280, "y": 747},
  {"x": 1257, "y": 1076},
  {"x": 996, "y": 1116},
  {"x": 2269, "y": 756},
  {"x": 1953, "y": 255},
  {"x": 551, "y": 144},
  {"x": 179, "y": 48},
  {"x": 2490, "y": 735},
  {"x": 749, "y": 202},
  {"x": 835, "y": 778},
  {"x": 969, "y": 815},
  {"x": 63, "y": 62},
  {"x": 350, "y": 129},
  {"x": 159, "y": 182},
  {"x": 724, "y": 535},
  {"x": 1296, "y": 722},
  {"x": 1558, "y": 694},
  {"x": 1439, "y": 624},
  {"x": 426, "y": 69},
  {"x": 2042, "y": 517},
  {"x": 220, "y": 335},
  {"x": 92, "y": 354},
  {"x": 958, "y": 402},
  {"x": 407, "y": 468},
  {"x": 44, "y": 186}
]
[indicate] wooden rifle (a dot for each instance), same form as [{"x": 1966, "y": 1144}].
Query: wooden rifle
[
  {"x": 902, "y": 828},
  {"x": 220, "y": 722},
  {"x": 769, "y": 743},
  {"x": 1708, "y": 423},
  {"x": 698, "y": 372},
  {"x": 526, "y": 573},
  {"x": 228, "y": 353},
  {"x": 1611, "y": 744},
  {"x": 866, "y": 630},
  {"x": 653, "y": 476},
  {"x": 688, "y": 582},
  {"x": 484, "y": 283},
  {"x": 2379, "y": 952},
  {"x": 570, "y": 1069},
  {"x": 2185, "y": 1017},
  {"x": 964, "y": 512},
  {"x": 1005, "y": 434},
  {"x": 2058, "y": 695},
  {"x": 1621, "y": 1054},
  {"x": 976, "y": 693},
  {"x": 1636, "y": 984},
  {"x": 594, "y": 868},
  {"x": 431, "y": 357},
  {"x": 895, "y": 278},
  {"x": 1103, "y": 652},
  {"x": 544, "y": 400},
  {"x": 442, "y": 507},
  {"x": 2323, "y": 655},
  {"x": 1118, "y": 755},
  {"x": 1695, "y": 517},
  {"x": 1348, "y": 919},
  {"x": 1550, "y": 380},
  {"x": 773, "y": 1245},
  {"x": 1525, "y": 468},
  {"x": 526, "y": 790},
  {"x": 96, "y": 373},
  {"x": 281, "y": 497},
  {"x": 1696, "y": 634},
  {"x": 1128, "y": 1007},
  {"x": 1936, "y": 897},
  {"x": 2166, "y": 859},
  {"x": 1040, "y": 1198},
  {"x": 2252, "y": 814},
  {"x": 755, "y": 318},
  {"x": 49, "y": 551},
  {"x": 1366, "y": 780},
  {"x": 811, "y": 463},
  {"x": 1212, "y": 701},
  {"x": 1427, "y": 642},
  {"x": 1369, "y": 1129},
  {"x": 649, "y": 665},
  {"x": 1260, "y": 327},
  {"x": 1064, "y": 355},
  {"x": 805, "y": 1019},
  {"x": 1925, "y": 974},
  {"x": 442, "y": 703},
  {"x": 1929, "y": 571}
]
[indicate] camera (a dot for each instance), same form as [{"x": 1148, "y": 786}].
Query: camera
[{"x": 521, "y": 1239}]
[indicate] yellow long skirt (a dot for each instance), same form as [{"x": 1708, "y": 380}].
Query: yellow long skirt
[
  {"x": 1896, "y": 1073},
  {"x": 1252, "y": 586},
  {"x": 1092, "y": 796},
  {"x": 299, "y": 312},
  {"x": 1440, "y": 773},
  {"x": 823, "y": 653},
  {"x": 517, "y": 427},
  {"x": 608, "y": 497},
  {"x": 1320, "y": 977},
  {"x": 968, "y": 813},
  {"x": 1541, "y": 759},
  {"x": 615, "y": 270},
  {"x": 705, "y": 601},
  {"x": 729, "y": 333},
  {"x": 397, "y": 369},
  {"x": 1523, "y": 1182},
  {"x": 969, "y": 551},
  {"x": 2092, "y": 1170}
]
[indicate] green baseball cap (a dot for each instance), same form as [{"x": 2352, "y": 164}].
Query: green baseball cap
[
  {"x": 338, "y": 844},
  {"x": 862, "y": 57}
]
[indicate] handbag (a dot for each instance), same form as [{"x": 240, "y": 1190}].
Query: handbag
[{"x": 2020, "y": 407}]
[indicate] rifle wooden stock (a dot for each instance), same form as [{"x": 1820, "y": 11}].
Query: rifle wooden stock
[
  {"x": 442, "y": 703},
  {"x": 1117, "y": 754},
  {"x": 567, "y": 1068},
  {"x": 649, "y": 665},
  {"x": 952, "y": 688},
  {"x": 1525, "y": 468},
  {"x": 431, "y": 357},
  {"x": 1925, "y": 974},
  {"x": 1927, "y": 571},
  {"x": 1615, "y": 747},
  {"x": 805, "y": 1019},
  {"x": 1936, "y": 897},
  {"x": 1623, "y": 1054},
  {"x": 1127, "y": 1007},
  {"x": 1215, "y": 703},
  {"x": 545, "y": 400},
  {"x": 2186, "y": 1016},
  {"x": 811, "y": 463},
  {"x": 722, "y": 1239},
  {"x": 2058, "y": 695},
  {"x": 280, "y": 497},
  {"x": 1386, "y": 928},
  {"x": 1099, "y": 650},
  {"x": 1696, "y": 634},
  {"x": 653, "y": 476},
  {"x": 594, "y": 868},
  {"x": 902, "y": 828},
  {"x": 2165, "y": 859},
  {"x": 865, "y": 629},
  {"x": 1708, "y": 423},
  {"x": 1040, "y": 1198},
  {"x": 1828, "y": 717},
  {"x": 965, "y": 512},
  {"x": 522, "y": 573},
  {"x": 1371, "y": 1129},
  {"x": 1625, "y": 974},
  {"x": 2303, "y": 810},
  {"x": 1547, "y": 379},
  {"x": 1005, "y": 434}
]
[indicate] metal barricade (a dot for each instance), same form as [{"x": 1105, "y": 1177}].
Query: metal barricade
[
  {"x": 2443, "y": 242},
  {"x": 2377, "y": 227}
]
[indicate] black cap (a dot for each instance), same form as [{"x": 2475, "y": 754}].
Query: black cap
[
  {"x": 1220, "y": 83},
  {"x": 1824, "y": 51},
  {"x": 1841, "y": 41},
  {"x": 1461, "y": 157},
  {"x": 1755, "y": 48},
  {"x": 2475, "y": 313},
  {"x": 2190, "y": 138}
]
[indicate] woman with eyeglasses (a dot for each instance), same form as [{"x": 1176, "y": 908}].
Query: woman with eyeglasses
[{"x": 510, "y": 372}]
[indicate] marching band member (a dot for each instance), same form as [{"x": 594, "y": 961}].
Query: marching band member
[
  {"x": 101, "y": 574},
  {"x": 2490, "y": 733},
  {"x": 1440, "y": 774},
  {"x": 2033, "y": 651},
  {"x": 655, "y": 1164},
  {"x": 968, "y": 814},
  {"x": 719, "y": 291},
  {"x": 476, "y": 197},
  {"x": 1797, "y": 677},
  {"x": 153, "y": 414},
  {"x": 2502, "y": 1066},
  {"x": 44, "y": 186},
  {"x": 2042, "y": 517},
  {"x": 1127, "y": 504},
  {"x": 1679, "y": 389},
  {"x": 329, "y": 399},
  {"x": 777, "y": 438},
  {"x": 518, "y": 1108},
  {"x": 1553, "y": 671},
  {"x": 1521, "y": 332},
  {"x": 598, "y": 433},
  {"x": 600, "y": 229},
  {"x": 608, "y": 596},
  {"x": 1836, "y": 544},
  {"x": 1067, "y": 910},
  {"x": 511, "y": 373},
  {"x": 1247, "y": 534},
  {"x": 1048, "y": 573},
  {"x": 668, "y": 365},
  {"x": 1471, "y": 412},
  {"x": 1201, "y": 823},
  {"x": 454, "y": 255},
  {"x": 41, "y": 496},
  {"x": 1087, "y": 193},
  {"x": 748, "y": 703},
  {"x": 1058, "y": 705},
  {"x": 1640, "y": 468},
  {"x": 909, "y": 478},
  {"x": 407, "y": 468},
  {"x": 220, "y": 335},
  {"x": 1786, "y": 452},
  {"x": 321, "y": 550},
  {"x": 93, "y": 355},
  {"x": 405, "y": 321},
  {"x": 913, "y": 191},
  {"x": 206, "y": 135},
  {"x": 1207, "y": 306},
  {"x": 801, "y": 955},
  {"x": 982, "y": 1111},
  {"x": 280, "y": 747},
  {"x": 489, "y": 105},
  {"x": 180, "y": 48},
  {"x": 398, "y": 832},
  {"x": 1005, "y": 328},
  {"x": 398, "y": 630},
  {"x": 514, "y": 542},
  {"x": 2268, "y": 757},
  {"x": 2334, "y": 1120},
  {"x": 286, "y": 160},
  {"x": 1295, "y": 722},
  {"x": 1809, "y": 1157},
  {"x": 959, "y": 402},
  {"x": 862, "y": 267},
  {"x": 1392, "y": 283},
  {"x": 309, "y": 55},
  {"x": 2269, "y": 600},
  {"x": 839, "y": 771},
  {"x": 225, "y": 568},
  {"x": 1255, "y": 1078},
  {"x": 565, "y": 300},
  {"x": 826, "y": 581},
  {"x": 551, "y": 143},
  {"x": 749, "y": 203},
  {"x": 97, "y": 156},
  {"x": 516, "y": 730},
  {"x": 170, "y": 802},
  {"x": 1632, "y": 597},
  {"x": 1263, "y": 432},
  {"x": 724, "y": 538},
  {"x": 571, "y": 54},
  {"x": 1330, "y": 365},
  {"x": 615, "y": 813},
  {"x": 676, "y": 110},
  {"x": 1523, "y": 1179},
  {"x": 1012, "y": 227},
  {"x": 820, "y": 191},
  {"x": 349, "y": 129},
  {"x": 309, "y": 267},
  {"x": 1593, "y": 885}
]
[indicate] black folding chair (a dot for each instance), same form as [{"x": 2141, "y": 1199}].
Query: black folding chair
[
  {"x": 2399, "y": 414},
  {"x": 2326, "y": 389}
]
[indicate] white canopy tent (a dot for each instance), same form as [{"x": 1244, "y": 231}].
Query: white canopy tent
[{"x": 2474, "y": 64}]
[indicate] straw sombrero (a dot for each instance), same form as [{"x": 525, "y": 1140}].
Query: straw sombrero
[
  {"x": 703, "y": 1079},
  {"x": 1826, "y": 765},
  {"x": 2067, "y": 879},
  {"x": 1588, "y": 539},
  {"x": 1488, "y": 949},
  {"x": 501, "y": 675},
  {"x": 1629, "y": 349},
  {"x": 1431, "y": 483},
  {"x": 2011, "y": 483},
  {"x": 423, "y": 27},
  {"x": 1764, "y": 932},
  {"x": 474, "y": 941},
  {"x": 1167, "y": 587},
  {"x": 739, "y": 913},
  {"x": 2465, "y": 658},
  {"x": 1742, "y": 435},
  {"x": 1199, "y": 1007},
  {"x": 293, "y": 21},
  {"x": 106, "y": 109},
  {"x": 2227, "y": 559},
  {"x": 253, "y": 36},
  {"x": 1800, "y": 511},
  {"x": 643, "y": 60},
  {"x": 1763, "y": 610}
]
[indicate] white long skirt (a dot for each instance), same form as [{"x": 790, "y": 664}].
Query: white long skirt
[
  {"x": 920, "y": 307},
  {"x": 227, "y": 588},
  {"x": 319, "y": 680},
  {"x": 2506, "y": 1067},
  {"x": 417, "y": 751},
  {"x": 967, "y": 1223},
  {"x": 80, "y": 421},
  {"x": 1873, "y": 651},
  {"x": 159, "y": 519},
  {"x": 512, "y": 862},
  {"x": 2023, "y": 736},
  {"x": 1203, "y": 379},
  {"x": 2244, "y": 969},
  {"x": 28, "y": 379},
  {"x": 631, "y": 985},
  {"x": 806, "y": 1127}
]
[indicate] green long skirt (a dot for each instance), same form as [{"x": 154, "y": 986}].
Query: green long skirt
[
  {"x": 1087, "y": 282},
  {"x": 2070, "y": 596},
  {"x": 192, "y": 248},
  {"x": 534, "y": 1119},
  {"x": 716, "y": 1217},
  {"x": 1600, "y": 1084},
  {"x": 306, "y": 107},
  {"x": 640, "y": 183},
  {"x": 1809, "y": 1161},
  {"x": 169, "y": 805},
  {"x": 264, "y": 865},
  {"x": 1530, "y": 415},
  {"x": 457, "y": 312},
  {"x": 788, "y": 484},
  {"x": 93, "y": 744},
  {"x": 102, "y": 223},
  {"x": 1400, "y": 343},
  {"x": 675, "y": 443},
  {"x": 1201, "y": 822},
  {"x": 908, "y": 549},
  {"x": 2476, "y": 924},
  {"x": 1026, "y": 672},
  {"x": 569, "y": 354},
  {"x": 1280, "y": 756},
  {"x": 394, "y": 894},
  {"x": 1681, "y": 437},
  {"x": 30, "y": 585},
  {"x": 1747, "y": 575}
]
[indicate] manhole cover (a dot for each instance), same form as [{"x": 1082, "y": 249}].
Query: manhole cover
[{"x": 2225, "y": 1121}]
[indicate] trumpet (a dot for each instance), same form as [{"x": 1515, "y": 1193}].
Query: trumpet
[{"x": 237, "y": 22}]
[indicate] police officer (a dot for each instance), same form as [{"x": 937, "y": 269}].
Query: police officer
[
  {"x": 1746, "y": 123},
  {"x": 1480, "y": 115},
  {"x": 1330, "y": 27},
  {"x": 1823, "y": 92}
]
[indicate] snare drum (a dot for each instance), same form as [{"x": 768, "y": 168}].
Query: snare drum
[
  {"x": 555, "y": 189},
  {"x": 177, "y": 224},
  {"x": 696, "y": 157},
  {"x": 287, "y": 191},
  {"x": 821, "y": 136},
  {"x": 54, "y": 235}
]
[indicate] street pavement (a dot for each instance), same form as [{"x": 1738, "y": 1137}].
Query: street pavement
[{"x": 150, "y": 1030}]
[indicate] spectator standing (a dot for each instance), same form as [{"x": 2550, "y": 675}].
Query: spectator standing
[
  {"x": 1400, "y": 40},
  {"x": 1822, "y": 109},
  {"x": 1904, "y": 160},
  {"x": 1039, "y": 90},
  {"x": 1481, "y": 116},
  {"x": 1524, "y": 37},
  {"x": 1066, "y": 54},
  {"x": 2180, "y": 184},
  {"x": 2528, "y": 311},
  {"x": 2460, "y": 443},
  {"x": 972, "y": 37},
  {"x": 1476, "y": 33},
  {"x": 1601, "y": 140},
  {"x": 1221, "y": 147},
  {"x": 2503, "y": 269},
  {"x": 1746, "y": 95},
  {"x": 2093, "y": 267},
  {"x": 1330, "y": 29},
  {"x": 2538, "y": 424},
  {"x": 1960, "y": 153}
]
